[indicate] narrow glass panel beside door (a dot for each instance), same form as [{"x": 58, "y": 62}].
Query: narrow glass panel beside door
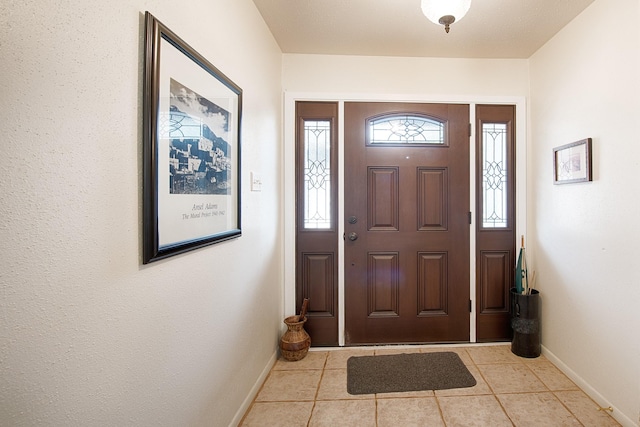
[
  {"x": 317, "y": 174},
  {"x": 316, "y": 218},
  {"x": 495, "y": 233},
  {"x": 494, "y": 175}
]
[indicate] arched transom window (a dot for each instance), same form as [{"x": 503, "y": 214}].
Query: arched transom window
[{"x": 405, "y": 129}]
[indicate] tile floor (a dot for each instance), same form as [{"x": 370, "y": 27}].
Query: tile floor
[{"x": 511, "y": 391}]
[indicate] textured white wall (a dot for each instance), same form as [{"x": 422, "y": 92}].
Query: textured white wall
[
  {"x": 584, "y": 237},
  {"x": 398, "y": 75},
  {"x": 89, "y": 336}
]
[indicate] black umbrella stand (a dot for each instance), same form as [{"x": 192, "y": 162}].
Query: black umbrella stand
[{"x": 525, "y": 322}]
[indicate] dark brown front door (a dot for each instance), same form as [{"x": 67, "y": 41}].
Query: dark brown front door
[{"x": 406, "y": 223}]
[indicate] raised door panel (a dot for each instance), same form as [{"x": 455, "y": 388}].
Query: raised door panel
[
  {"x": 318, "y": 283},
  {"x": 383, "y": 284},
  {"x": 432, "y": 198},
  {"x": 383, "y": 198},
  {"x": 494, "y": 276},
  {"x": 432, "y": 283}
]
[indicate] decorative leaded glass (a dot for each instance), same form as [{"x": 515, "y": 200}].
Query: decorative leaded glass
[
  {"x": 406, "y": 129},
  {"x": 494, "y": 175},
  {"x": 317, "y": 174}
]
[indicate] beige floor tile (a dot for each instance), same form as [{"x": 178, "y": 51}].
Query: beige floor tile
[
  {"x": 585, "y": 409},
  {"x": 482, "y": 355},
  {"x": 511, "y": 378},
  {"x": 551, "y": 376},
  {"x": 347, "y": 413},
  {"x": 333, "y": 386},
  {"x": 540, "y": 358},
  {"x": 278, "y": 414},
  {"x": 290, "y": 386},
  {"x": 404, "y": 394},
  {"x": 388, "y": 351},
  {"x": 536, "y": 409},
  {"x": 338, "y": 359},
  {"x": 461, "y": 351},
  {"x": 510, "y": 390},
  {"x": 480, "y": 388},
  {"x": 408, "y": 412},
  {"x": 313, "y": 360},
  {"x": 471, "y": 411}
]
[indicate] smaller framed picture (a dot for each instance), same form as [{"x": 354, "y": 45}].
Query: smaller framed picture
[{"x": 572, "y": 162}]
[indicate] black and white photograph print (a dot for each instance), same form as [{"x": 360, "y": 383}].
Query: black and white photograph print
[
  {"x": 199, "y": 160},
  {"x": 191, "y": 157}
]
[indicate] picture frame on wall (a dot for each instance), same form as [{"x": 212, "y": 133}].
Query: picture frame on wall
[
  {"x": 191, "y": 148},
  {"x": 572, "y": 162}
]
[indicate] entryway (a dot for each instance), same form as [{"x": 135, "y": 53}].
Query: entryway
[{"x": 405, "y": 224}]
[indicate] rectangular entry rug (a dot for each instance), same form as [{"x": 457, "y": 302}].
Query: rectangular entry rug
[{"x": 407, "y": 372}]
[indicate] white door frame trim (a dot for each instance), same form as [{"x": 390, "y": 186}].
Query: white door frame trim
[{"x": 289, "y": 195}]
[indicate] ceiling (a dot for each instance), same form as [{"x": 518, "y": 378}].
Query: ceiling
[{"x": 491, "y": 28}]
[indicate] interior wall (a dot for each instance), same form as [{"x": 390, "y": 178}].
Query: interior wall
[
  {"x": 405, "y": 76},
  {"x": 90, "y": 336},
  {"x": 584, "y": 237}
]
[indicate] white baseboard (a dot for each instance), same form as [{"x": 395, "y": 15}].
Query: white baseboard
[
  {"x": 588, "y": 389},
  {"x": 254, "y": 390}
]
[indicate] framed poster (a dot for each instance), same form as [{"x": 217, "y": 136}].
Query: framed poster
[
  {"x": 191, "y": 156},
  {"x": 572, "y": 162}
]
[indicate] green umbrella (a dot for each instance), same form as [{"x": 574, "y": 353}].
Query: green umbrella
[{"x": 522, "y": 284}]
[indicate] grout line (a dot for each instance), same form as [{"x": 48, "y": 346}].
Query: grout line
[
  {"x": 493, "y": 393},
  {"x": 375, "y": 403},
  {"x": 315, "y": 397},
  {"x": 567, "y": 408},
  {"x": 253, "y": 402},
  {"x": 440, "y": 410},
  {"x": 504, "y": 410},
  {"x": 473, "y": 364},
  {"x": 537, "y": 377}
]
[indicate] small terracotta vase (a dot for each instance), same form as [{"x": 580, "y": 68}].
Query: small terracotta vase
[{"x": 295, "y": 342}]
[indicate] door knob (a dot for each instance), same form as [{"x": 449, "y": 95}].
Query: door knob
[{"x": 353, "y": 236}]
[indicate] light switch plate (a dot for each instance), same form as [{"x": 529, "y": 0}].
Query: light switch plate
[{"x": 256, "y": 182}]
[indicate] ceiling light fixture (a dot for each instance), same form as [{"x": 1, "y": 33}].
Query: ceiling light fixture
[{"x": 445, "y": 12}]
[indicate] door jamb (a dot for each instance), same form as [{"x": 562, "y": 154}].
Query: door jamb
[{"x": 289, "y": 197}]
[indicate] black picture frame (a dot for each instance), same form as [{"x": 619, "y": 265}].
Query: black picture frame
[
  {"x": 191, "y": 155},
  {"x": 572, "y": 162}
]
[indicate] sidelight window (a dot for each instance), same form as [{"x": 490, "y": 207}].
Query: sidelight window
[
  {"x": 494, "y": 175},
  {"x": 317, "y": 174}
]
